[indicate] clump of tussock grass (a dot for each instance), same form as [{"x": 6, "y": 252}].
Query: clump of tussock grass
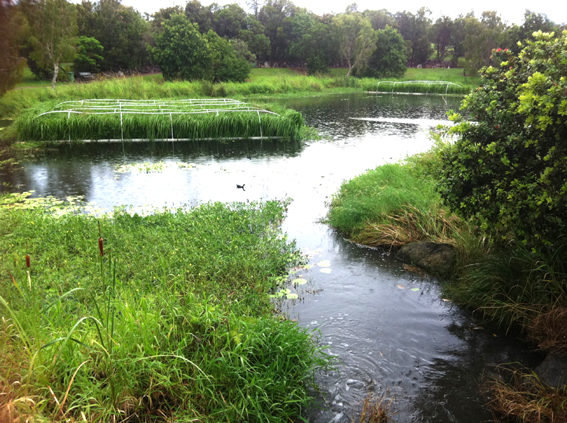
[
  {"x": 390, "y": 203},
  {"x": 511, "y": 284},
  {"x": 377, "y": 409},
  {"x": 549, "y": 331},
  {"x": 421, "y": 87},
  {"x": 520, "y": 396},
  {"x": 174, "y": 321}
]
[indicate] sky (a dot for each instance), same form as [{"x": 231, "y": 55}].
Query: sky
[{"x": 511, "y": 11}]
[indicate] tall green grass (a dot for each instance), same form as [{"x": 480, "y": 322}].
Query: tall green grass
[
  {"x": 174, "y": 322},
  {"x": 31, "y": 125}
]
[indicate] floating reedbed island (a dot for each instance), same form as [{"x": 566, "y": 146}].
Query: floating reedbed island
[
  {"x": 420, "y": 88},
  {"x": 115, "y": 120}
]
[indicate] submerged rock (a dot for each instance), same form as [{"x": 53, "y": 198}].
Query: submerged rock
[
  {"x": 435, "y": 258},
  {"x": 553, "y": 370}
]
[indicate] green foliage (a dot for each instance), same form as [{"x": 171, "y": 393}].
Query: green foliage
[
  {"x": 389, "y": 59},
  {"x": 120, "y": 30},
  {"x": 177, "y": 310},
  {"x": 88, "y": 57},
  {"x": 53, "y": 44},
  {"x": 12, "y": 28},
  {"x": 357, "y": 39},
  {"x": 226, "y": 65},
  {"x": 507, "y": 172},
  {"x": 181, "y": 52}
]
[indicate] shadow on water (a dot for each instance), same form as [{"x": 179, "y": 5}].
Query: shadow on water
[{"x": 389, "y": 328}]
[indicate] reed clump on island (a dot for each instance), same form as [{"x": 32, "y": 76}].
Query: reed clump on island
[
  {"x": 155, "y": 120},
  {"x": 158, "y": 316}
]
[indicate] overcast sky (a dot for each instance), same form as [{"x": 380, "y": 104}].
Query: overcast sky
[{"x": 511, "y": 11}]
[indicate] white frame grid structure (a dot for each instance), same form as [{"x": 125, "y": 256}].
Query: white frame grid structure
[
  {"x": 157, "y": 107},
  {"x": 429, "y": 83}
]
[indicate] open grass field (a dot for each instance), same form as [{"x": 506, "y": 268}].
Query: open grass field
[{"x": 173, "y": 322}]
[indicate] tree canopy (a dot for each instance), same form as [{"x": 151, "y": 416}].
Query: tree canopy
[{"x": 508, "y": 171}]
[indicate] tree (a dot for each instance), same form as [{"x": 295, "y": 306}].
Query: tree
[
  {"x": 389, "y": 59},
  {"x": 380, "y": 18},
  {"x": 316, "y": 43},
  {"x": 52, "y": 42},
  {"x": 440, "y": 34},
  {"x": 226, "y": 65},
  {"x": 229, "y": 20},
  {"x": 121, "y": 30},
  {"x": 200, "y": 15},
  {"x": 276, "y": 17},
  {"x": 482, "y": 36},
  {"x": 12, "y": 27},
  {"x": 181, "y": 52},
  {"x": 415, "y": 30},
  {"x": 533, "y": 22},
  {"x": 88, "y": 57},
  {"x": 508, "y": 171},
  {"x": 357, "y": 39}
]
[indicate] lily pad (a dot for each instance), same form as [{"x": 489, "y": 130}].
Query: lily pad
[
  {"x": 292, "y": 296},
  {"x": 325, "y": 270},
  {"x": 415, "y": 289},
  {"x": 324, "y": 263},
  {"x": 299, "y": 281}
]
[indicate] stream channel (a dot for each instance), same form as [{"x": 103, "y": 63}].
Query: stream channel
[{"x": 391, "y": 329}]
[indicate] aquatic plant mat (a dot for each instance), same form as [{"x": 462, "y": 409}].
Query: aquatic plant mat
[
  {"x": 173, "y": 323},
  {"x": 159, "y": 120},
  {"x": 420, "y": 87}
]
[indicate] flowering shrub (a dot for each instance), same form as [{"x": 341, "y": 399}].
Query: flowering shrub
[{"x": 508, "y": 171}]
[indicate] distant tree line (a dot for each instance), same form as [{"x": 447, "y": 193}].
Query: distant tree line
[{"x": 221, "y": 43}]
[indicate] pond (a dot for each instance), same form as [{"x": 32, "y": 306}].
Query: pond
[{"x": 391, "y": 329}]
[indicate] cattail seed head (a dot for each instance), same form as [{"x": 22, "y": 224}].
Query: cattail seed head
[
  {"x": 28, "y": 260},
  {"x": 101, "y": 246}
]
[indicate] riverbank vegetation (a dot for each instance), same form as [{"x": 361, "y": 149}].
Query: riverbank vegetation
[
  {"x": 160, "y": 316},
  {"x": 495, "y": 191}
]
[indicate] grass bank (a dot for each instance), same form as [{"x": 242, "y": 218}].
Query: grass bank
[
  {"x": 173, "y": 323},
  {"x": 503, "y": 281},
  {"x": 262, "y": 83}
]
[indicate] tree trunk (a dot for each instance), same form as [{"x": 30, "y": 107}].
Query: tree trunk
[{"x": 55, "y": 72}]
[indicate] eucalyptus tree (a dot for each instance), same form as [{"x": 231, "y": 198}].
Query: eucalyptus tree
[
  {"x": 121, "y": 30},
  {"x": 229, "y": 20},
  {"x": 440, "y": 35},
  {"x": 200, "y": 15},
  {"x": 316, "y": 43},
  {"x": 415, "y": 30},
  {"x": 379, "y": 19},
  {"x": 357, "y": 39},
  {"x": 482, "y": 36},
  {"x": 13, "y": 26},
  {"x": 53, "y": 44},
  {"x": 276, "y": 17}
]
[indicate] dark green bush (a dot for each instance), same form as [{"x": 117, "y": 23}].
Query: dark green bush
[{"x": 508, "y": 171}]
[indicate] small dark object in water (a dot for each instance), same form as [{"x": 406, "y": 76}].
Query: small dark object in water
[
  {"x": 249, "y": 158},
  {"x": 241, "y": 186}
]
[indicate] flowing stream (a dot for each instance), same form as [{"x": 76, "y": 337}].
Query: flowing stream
[{"x": 391, "y": 330}]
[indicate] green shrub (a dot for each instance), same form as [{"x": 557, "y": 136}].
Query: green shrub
[{"x": 508, "y": 171}]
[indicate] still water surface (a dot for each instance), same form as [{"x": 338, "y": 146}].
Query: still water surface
[{"x": 390, "y": 329}]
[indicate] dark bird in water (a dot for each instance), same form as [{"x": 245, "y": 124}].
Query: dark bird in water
[
  {"x": 249, "y": 158},
  {"x": 241, "y": 186}
]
